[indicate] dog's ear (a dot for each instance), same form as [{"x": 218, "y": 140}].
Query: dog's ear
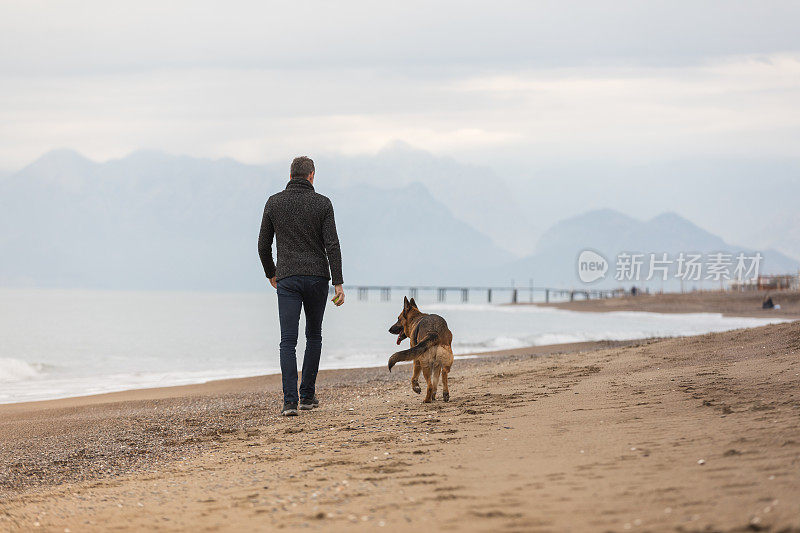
[
  {"x": 406, "y": 304},
  {"x": 413, "y": 303}
]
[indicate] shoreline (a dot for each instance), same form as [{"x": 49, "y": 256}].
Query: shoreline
[
  {"x": 731, "y": 305},
  {"x": 215, "y": 386},
  {"x": 161, "y": 425}
]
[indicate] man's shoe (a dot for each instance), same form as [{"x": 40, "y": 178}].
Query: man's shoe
[
  {"x": 307, "y": 405},
  {"x": 289, "y": 409}
]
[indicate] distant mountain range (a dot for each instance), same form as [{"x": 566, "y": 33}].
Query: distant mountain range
[
  {"x": 156, "y": 221},
  {"x": 153, "y": 221},
  {"x": 472, "y": 194},
  {"x": 611, "y": 233}
]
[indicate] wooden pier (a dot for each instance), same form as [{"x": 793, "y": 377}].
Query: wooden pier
[{"x": 515, "y": 294}]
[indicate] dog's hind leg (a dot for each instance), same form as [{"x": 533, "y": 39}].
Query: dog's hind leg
[
  {"x": 446, "y": 361},
  {"x": 415, "y": 377},
  {"x": 445, "y": 387},
  {"x": 426, "y": 371},
  {"x": 435, "y": 379}
]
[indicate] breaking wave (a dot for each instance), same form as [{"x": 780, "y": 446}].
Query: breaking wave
[{"x": 18, "y": 370}]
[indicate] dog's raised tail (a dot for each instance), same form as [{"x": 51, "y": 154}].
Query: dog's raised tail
[{"x": 415, "y": 351}]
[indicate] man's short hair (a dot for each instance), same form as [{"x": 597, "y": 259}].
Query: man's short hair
[{"x": 302, "y": 167}]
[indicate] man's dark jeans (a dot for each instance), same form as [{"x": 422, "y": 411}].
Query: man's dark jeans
[{"x": 310, "y": 293}]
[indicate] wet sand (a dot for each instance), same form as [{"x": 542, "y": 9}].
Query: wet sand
[{"x": 692, "y": 434}]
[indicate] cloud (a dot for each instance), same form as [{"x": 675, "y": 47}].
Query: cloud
[
  {"x": 258, "y": 81},
  {"x": 745, "y": 105},
  {"x": 94, "y": 36},
  {"x": 741, "y": 106}
]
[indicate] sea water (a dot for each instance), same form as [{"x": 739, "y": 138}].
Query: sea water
[{"x": 61, "y": 343}]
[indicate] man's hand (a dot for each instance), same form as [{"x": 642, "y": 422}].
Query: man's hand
[
  {"x": 338, "y": 297},
  {"x": 273, "y": 282}
]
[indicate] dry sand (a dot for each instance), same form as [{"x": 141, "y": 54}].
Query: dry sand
[{"x": 693, "y": 434}]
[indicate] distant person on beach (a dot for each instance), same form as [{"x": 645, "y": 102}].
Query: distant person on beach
[{"x": 301, "y": 220}]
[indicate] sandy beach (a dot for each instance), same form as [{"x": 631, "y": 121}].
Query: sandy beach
[
  {"x": 368, "y": 266},
  {"x": 690, "y": 434}
]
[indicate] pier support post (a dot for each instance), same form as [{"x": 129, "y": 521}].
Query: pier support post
[{"x": 547, "y": 296}]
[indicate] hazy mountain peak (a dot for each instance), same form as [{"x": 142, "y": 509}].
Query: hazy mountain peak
[
  {"x": 63, "y": 166},
  {"x": 598, "y": 215},
  {"x": 593, "y": 229},
  {"x": 416, "y": 187},
  {"x": 149, "y": 154},
  {"x": 58, "y": 159},
  {"x": 157, "y": 157},
  {"x": 602, "y": 220},
  {"x": 672, "y": 223},
  {"x": 669, "y": 217},
  {"x": 401, "y": 148}
]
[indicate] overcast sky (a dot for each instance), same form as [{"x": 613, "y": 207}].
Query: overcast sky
[{"x": 485, "y": 82}]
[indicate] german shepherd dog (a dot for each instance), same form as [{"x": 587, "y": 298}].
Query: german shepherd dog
[{"x": 430, "y": 348}]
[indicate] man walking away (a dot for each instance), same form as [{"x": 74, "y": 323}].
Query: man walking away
[{"x": 308, "y": 256}]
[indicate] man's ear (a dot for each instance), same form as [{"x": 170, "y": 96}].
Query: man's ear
[
  {"x": 406, "y": 304},
  {"x": 413, "y": 303}
]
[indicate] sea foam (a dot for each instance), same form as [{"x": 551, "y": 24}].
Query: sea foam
[{"x": 12, "y": 370}]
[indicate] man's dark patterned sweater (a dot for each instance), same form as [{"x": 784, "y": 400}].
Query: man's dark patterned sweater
[{"x": 303, "y": 224}]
